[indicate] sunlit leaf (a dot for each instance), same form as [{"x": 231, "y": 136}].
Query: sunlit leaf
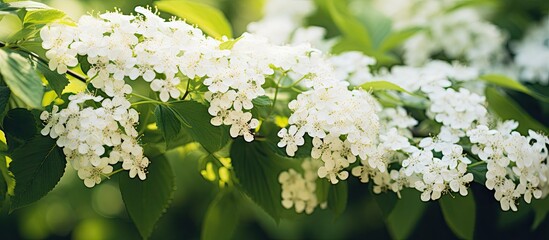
[
  {"x": 21, "y": 78},
  {"x": 397, "y": 38},
  {"x": 383, "y": 85},
  {"x": 209, "y": 19},
  {"x": 506, "y": 82},
  {"x": 348, "y": 25}
]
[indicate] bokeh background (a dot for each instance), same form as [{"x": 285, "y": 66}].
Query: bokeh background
[{"x": 72, "y": 211}]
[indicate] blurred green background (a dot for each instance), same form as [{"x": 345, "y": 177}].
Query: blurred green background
[{"x": 72, "y": 211}]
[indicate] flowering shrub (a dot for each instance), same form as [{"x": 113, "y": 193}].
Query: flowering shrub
[{"x": 286, "y": 115}]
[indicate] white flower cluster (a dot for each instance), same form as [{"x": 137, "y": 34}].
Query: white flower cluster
[
  {"x": 299, "y": 190},
  {"x": 121, "y": 47},
  {"x": 459, "y": 109},
  {"x": 352, "y": 66},
  {"x": 460, "y": 33},
  {"x": 421, "y": 169},
  {"x": 94, "y": 139},
  {"x": 342, "y": 123},
  {"x": 234, "y": 81},
  {"x": 532, "y": 54},
  {"x": 517, "y": 165}
]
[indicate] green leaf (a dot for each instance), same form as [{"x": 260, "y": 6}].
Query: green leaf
[
  {"x": 479, "y": 173},
  {"x": 396, "y": 38},
  {"x": 57, "y": 82},
  {"x": 7, "y": 183},
  {"x": 29, "y": 5},
  {"x": 506, "y": 82},
  {"x": 37, "y": 167},
  {"x": 460, "y": 214},
  {"x": 21, "y": 78},
  {"x": 43, "y": 16},
  {"x": 11, "y": 24},
  {"x": 322, "y": 190},
  {"x": 146, "y": 200},
  {"x": 4, "y": 97},
  {"x": 507, "y": 109},
  {"x": 221, "y": 218},
  {"x": 386, "y": 202},
  {"x": 20, "y": 123},
  {"x": 257, "y": 171},
  {"x": 229, "y": 44},
  {"x": 168, "y": 124},
  {"x": 212, "y": 138},
  {"x": 337, "y": 198},
  {"x": 350, "y": 26},
  {"x": 406, "y": 214},
  {"x": 541, "y": 209},
  {"x": 262, "y": 101},
  {"x": 209, "y": 19},
  {"x": 383, "y": 85},
  {"x": 378, "y": 25},
  {"x": 262, "y": 107}
]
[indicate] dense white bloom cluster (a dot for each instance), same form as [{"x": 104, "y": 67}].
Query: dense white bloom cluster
[
  {"x": 342, "y": 123},
  {"x": 121, "y": 47},
  {"x": 299, "y": 190},
  {"x": 456, "y": 109},
  {"x": 517, "y": 165},
  {"x": 460, "y": 33},
  {"x": 237, "y": 79},
  {"x": 93, "y": 139},
  {"x": 352, "y": 66},
  {"x": 532, "y": 54}
]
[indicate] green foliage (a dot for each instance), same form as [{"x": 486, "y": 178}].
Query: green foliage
[
  {"x": 507, "y": 109},
  {"x": 7, "y": 183},
  {"x": 209, "y": 19},
  {"x": 395, "y": 39},
  {"x": 509, "y": 83},
  {"x": 337, "y": 198},
  {"x": 37, "y": 167},
  {"x": 20, "y": 77},
  {"x": 19, "y": 125},
  {"x": 147, "y": 200},
  {"x": 56, "y": 81},
  {"x": 192, "y": 118},
  {"x": 460, "y": 214},
  {"x": 405, "y": 214},
  {"x": 351, "y": 27},
  {"x": 168, "y": 123},
  {"x": 541, "y": 209},
  {"x": 383, "y": 85},
  {"x": 43, "y": 16},
  {"x": 229, "y": 44},
  {"x": 369, "y": 32},
  {"x": 222, "y": 217},
  {"x": 257, "y": 172}
]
